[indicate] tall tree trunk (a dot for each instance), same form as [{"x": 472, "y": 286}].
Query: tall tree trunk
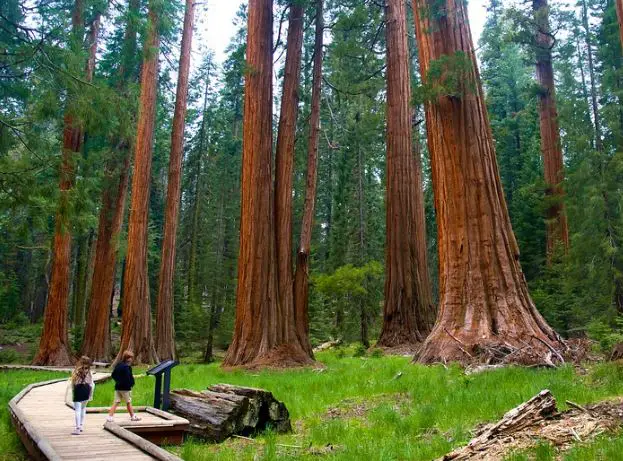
[
  {"x": 301, "y": 276},
  {"x": 408, "y": 301},
  {"x": 619, "y": 6},
  {"x": 484, "y": 299},
  {"x": 97, "y": 333},
  {"x": 136, "y": 321},
  {"x": 165, "y": 341},
  {"x": 591, "y": 70},
  {"x": 263, "y": 335},
  {"x": 284, "y": 159},
  {"x": 54, "y": 348},
  {"x": 97, "y": 343},
  {"x": 551, "y": 148}
]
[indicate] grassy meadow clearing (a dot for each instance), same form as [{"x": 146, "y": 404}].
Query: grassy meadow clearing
[{"x": 369, "y": 407}]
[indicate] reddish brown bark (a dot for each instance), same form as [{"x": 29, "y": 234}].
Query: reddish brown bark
[
  {"x": 301, "y": 276},
  {"x": 619, "y": 6},
  {"x": 136, "y": 332},
  {"x": 97, "y": 333},
  {"x": 284, "y": 158},
  {"x": 165, "y": 341},
  {"x": 484, "y": 299},
  {"x": 54, "y": 348},
  {"x": 551, "y": 147},
  {"x": 96, "y": 342},
  {"x": 263, "y": 335},
  {"x": 408, "y": 305}
]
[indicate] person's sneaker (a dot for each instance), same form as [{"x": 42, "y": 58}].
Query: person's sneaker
[
  {"x": 81, "y": 429},
  {"x": 76, "y": 432},
  {"x": 110, "y": 419},
  {"x": 135, "y": 418}
]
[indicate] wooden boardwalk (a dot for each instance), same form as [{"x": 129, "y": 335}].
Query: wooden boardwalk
[{"x": 44, "y": 421}]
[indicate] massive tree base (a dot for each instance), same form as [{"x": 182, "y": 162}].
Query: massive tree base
[
  {"x": 284, "y": 356},
  {"x": 60, "y": 356},
  {"x": 392, "y": 338},
  {"x": 538, "y": 419},
  {"x": 224, "y": 410},
  {"x": 443, "y": 346}
]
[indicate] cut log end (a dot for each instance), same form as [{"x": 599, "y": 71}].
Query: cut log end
[{"x": 225, "y": 410}]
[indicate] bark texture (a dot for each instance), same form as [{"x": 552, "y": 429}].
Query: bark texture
[
  {"x": 284, "y": 158},
  {"x": 551, "y": 147},
  {"x": 224, "y": 410},
  {"x": 263, "y": 335},
  {"x": 165, "y": 340},
  {"x": 301, "y": 276},
  {"x": 408, "y": 310},
  {"x": 484, "y": 299},
  {"x": 54, "y": 348},
  {"x": 136, "y": 332}
]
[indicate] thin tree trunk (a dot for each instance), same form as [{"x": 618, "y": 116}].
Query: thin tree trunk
[
  {"x": 551, "y": 148},
  {"x": 301, "y": 276},
  {"x": 484, "y": 299},
  {"x": 136, "y": 323},
  {"x": 80, "y": 281},
  {"x": 165, "y": 335},
  {"x": 54, "y": 348},
  {"x": 263, "y": 336},
  {"x": 192, "y": 297},
  {"x": 97, "y": 344},
  {"x": 408, "y": 300},
  {"x": 619, "y": 6},
  {"x": 591, "y": 70},
  {"x": 284, "y": 159}
]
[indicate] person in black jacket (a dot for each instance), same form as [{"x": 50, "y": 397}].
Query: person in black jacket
[{"x": 124, "y": 382}]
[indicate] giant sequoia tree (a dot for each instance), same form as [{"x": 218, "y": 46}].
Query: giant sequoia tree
[
  {"x": 96, "y": 342},
  {"x": 551, "y": 148},
  {"x": 136, "y": 328},
  {"x": 264, "y": 334},
  {"x": 484, "y": 299},
  {"x": 284, "y": 157},
  {"x": 165, "y": 340},
  {"x": 54, "y": 346},
  {"x": 301, "y": 276},
  {"x": 408, "y": 312}
]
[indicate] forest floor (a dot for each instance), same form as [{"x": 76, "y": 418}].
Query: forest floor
[{"x": 370, "y": 408}]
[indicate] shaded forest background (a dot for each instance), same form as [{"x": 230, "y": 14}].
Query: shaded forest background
[{"x": 580, "y": 292}]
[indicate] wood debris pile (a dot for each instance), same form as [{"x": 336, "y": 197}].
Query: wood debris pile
[{"x": 538, "y": 420}]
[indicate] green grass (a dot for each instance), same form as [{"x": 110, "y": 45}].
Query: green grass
[
  {"x": 356, "y": 408},
  {"x": 11, "y": 383}
]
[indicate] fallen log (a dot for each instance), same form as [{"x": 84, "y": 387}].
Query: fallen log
[{"x": 224, "y": 410}]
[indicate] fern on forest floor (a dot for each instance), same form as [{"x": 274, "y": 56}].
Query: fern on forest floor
[{"x": 378, "y": 408}]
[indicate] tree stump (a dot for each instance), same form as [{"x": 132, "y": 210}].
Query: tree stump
[{"x": 224, "y": 410}]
